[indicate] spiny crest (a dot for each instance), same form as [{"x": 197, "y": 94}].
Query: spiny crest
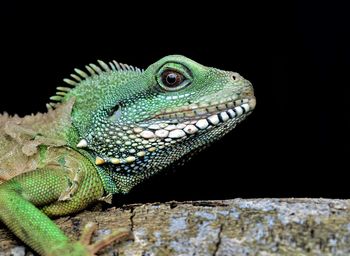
[{"x": 92, "y": 70}]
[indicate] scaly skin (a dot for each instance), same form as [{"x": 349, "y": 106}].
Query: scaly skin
[{"x": 118, "y": 126}]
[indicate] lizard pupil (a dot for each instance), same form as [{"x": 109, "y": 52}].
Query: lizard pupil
[{"x": 172, "y": 78}]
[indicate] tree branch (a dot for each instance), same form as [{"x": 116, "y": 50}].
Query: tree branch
[{"x": 230, "y": 227}]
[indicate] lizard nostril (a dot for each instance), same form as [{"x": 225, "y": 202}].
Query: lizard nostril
[{"x": 235, "y": 76}]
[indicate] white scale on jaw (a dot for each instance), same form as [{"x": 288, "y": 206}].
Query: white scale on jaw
[
  {"x": 178, "y": 131},
  {"x": 182, "y": 129},
  {"x": 164, "y": 130}
]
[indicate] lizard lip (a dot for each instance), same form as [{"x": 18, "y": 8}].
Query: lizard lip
[
  {"x": 199, "y": 111},
  {"x": 175, "y": 128}
]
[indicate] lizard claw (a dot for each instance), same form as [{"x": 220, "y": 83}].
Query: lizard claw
[{"x": 115, "y": 236}]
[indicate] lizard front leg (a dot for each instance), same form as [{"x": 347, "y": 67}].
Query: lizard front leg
[{"x": 22, "y": 197}]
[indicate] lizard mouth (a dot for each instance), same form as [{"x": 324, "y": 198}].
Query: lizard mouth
[
  {"x": 205, "y": 110},
  {"x": 184, "y": 121}
]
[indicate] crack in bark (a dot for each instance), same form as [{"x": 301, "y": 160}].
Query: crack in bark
[
  {"x": 173, "y": 204},
  {"x": 218, "y": 243},
  {"x": 132, "y": 218},
  {"x": 208, "y": 204},
  {"x": 203, "y": 203}
]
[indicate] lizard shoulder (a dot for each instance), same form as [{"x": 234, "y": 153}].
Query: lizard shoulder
[{"x": 24, "y": 139}]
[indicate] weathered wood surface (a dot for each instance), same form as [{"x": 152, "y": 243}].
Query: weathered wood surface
[{"x": 229, "y": 227}]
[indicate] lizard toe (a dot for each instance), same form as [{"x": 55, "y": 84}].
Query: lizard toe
[{"x": 117, "y": 236}]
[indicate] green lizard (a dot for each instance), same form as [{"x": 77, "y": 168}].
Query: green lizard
[{"x": 114, "y": 127}]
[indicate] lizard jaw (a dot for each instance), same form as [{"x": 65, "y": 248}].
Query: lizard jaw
[
  {"x": 203, "y": 110},
  {"x": 178, "y": 124},
  {"x": 158, "y": 133}
]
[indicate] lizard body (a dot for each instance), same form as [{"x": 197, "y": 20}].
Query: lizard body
[{"x": 116, "y": 127}]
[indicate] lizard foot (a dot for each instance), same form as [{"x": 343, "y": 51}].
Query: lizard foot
[{"x": 115, "y": 236}]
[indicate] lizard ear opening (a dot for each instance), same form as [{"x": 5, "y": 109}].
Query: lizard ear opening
[{"x": 115, "y": 113}]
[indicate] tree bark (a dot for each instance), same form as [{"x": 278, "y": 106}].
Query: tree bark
[{"x": 229, "y": 227}]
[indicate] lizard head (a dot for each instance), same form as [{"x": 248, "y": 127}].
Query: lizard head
[{"x": 145, "y": 120}]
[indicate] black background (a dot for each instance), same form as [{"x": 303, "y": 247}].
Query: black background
[{"x": 296, "y": 55}]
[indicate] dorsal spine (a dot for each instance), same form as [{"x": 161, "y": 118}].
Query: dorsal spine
[{"x": 92, "y": 70}]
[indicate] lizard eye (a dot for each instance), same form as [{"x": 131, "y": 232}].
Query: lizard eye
[{"x": 172, "y": 79}]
